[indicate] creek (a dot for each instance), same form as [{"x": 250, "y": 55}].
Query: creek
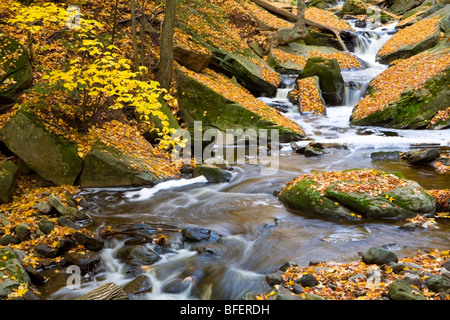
[{"x": 258, "y": 234}]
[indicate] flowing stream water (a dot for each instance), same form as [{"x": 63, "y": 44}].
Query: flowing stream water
[{"x": 258, "y": 234}]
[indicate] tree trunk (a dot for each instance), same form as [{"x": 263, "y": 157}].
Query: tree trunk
[
  {"x": 293, "y": 18},
  {"x": 298, "y": 31},
  {"x": 109, "y": 291},
  {"x": 164, "y": 76},
  {"x": 134, "y": 35}
]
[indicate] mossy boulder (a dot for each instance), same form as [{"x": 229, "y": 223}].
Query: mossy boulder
[
  {"x": 49, "y": 155},
  {"x": 212, "y": 173},
  {"x": 15, "y": 69},
  {"x": 12, "y": 272},
  {"x": 201, "y": 102},
  {"x": 402, "y": 6},
  {"x": 356, "y": 194},
  {"x": 415, "y": 108},
  {"x": 105, "y": 166},
  {"x": 247, "y": 72},
  {"x": 402, "y": 290},
  {"x": 8, "y": 175},
  {"x": 330, "y": 78},
  {"x": 355, "y": 7}
]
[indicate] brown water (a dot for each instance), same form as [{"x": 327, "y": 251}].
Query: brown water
[{"x": 258, "y": 233}]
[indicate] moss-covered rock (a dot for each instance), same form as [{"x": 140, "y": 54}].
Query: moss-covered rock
[
  {"x": 108, "y": 167},
  {"x": 201, "y": 100},
  {"x": 402, "y": 290},
  {"x": 12, "y": 272},
  {"x": 330, "y": 78},
  {"x": 402, "y": 6},
  {"x": 357, "y": 193},
  {"x": 212, "y": 173},
  {"x": 414, "y": 109},
  {"x": 8, "y": 175},
  {"x": 49, "y": 155},
  {"x": 15, "y": 69}
]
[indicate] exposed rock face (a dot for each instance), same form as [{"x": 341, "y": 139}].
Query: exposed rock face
[{"x": 49, "y": 155}]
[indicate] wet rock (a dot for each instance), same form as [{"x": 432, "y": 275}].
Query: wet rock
[
  {"x": 437, "y": 283},
  {"x": 330, "y": 78},
  {"x": 312, "y": 152},
  {"x": 65, "y": 245},
  {"x": 89, "y": 242},
  {"x": 422, "y": 156},
  {"x": 137, "y": 255},
  {"x": 35, "y": 276},
  {"x": 8, "y": 175},
  {"x": 177, "y": 285},
  {"x": 386, "y": 155},
  {"x": 46, "y": 250},
  {"x": 140, "y": 284},
  {"x": 402, "y": 290},
  {"x": 379, "y": 256},
  {"x": 88, "y": 261},
  {"x": 212, "y": 173},
  {"x": 274, "y": 278},
  {"x": 46, "y": 226},
  {"x": 308, "y": 280},
  {"x": 195, "y": 234},
  {"x": 69, "y": 212}
]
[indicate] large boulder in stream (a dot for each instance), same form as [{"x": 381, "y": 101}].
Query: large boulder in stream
[
  {"x": 330, "y": 78},
  {"x": 223, "y": 105},
  {"x": 15, "y": 69},
  {"x": 356, "y": 194},
  {"x": 49, "y": 155},
  {"x": 411, "y": 94},
  {"x": 106, "y": 166}
]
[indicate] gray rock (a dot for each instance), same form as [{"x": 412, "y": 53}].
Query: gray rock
[
  {"x": 90, "y": 243},
  {"x": 65, "y": 222},
  {"x": 274, "y": 278},
  {"x": 46, "y": 226},
  {"x": 379, "y": 256},
  {"x": 288, "y": 265},
  {"x": 44, "y": 207},
  {"x": 140, "y": 284},
  {"x": 413, "y": 279},
  {"x": 137, "y": 255},
  {"x": 437, "y": 283},
  {"x": 402, "y": 290},
  {"x": 212, "y": 173},
  {"x": 422, "y": 156},
  {"x": 87, "y": 260},
  {"x": 8, "y": 239},
  {"x": 68, "y": 212},
  {"x": 359, "y": 277},
  {"x": 46, "y": 250},
  {"x": 194, "y": 234}
]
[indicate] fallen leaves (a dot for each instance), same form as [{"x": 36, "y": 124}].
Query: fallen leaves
[
  {"x": 406, "y": 74},
  {"x": 410, "y": 35},
  {"x": 308, "y": 96}
]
